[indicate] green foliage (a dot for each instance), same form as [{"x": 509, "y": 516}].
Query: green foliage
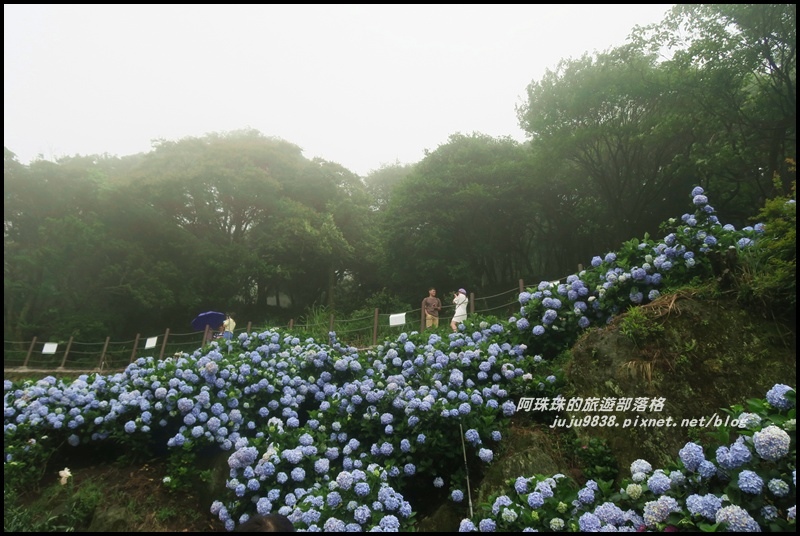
[
  {"x": 61, "y": 508},
  {"x": 25, "y": 463},
  {"x": 595, "y": 459},
  {"x": 182, "y": 474},
  {"x": 767, "y": 273},
  {"x": 166, "y": 513},
  {"x": 638, "y": 327},
  {"x": 17, "y": 517}
]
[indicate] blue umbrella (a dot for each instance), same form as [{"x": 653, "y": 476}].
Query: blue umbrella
[{"x": 213, "y": 319}]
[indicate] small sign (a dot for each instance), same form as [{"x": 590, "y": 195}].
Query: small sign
[
  {"x": 50, "y": 348},
  {"x": 150, "y": 342},
  {"x": 397, "y": 320}
]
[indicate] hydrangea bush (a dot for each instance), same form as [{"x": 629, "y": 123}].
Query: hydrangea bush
[
  {"x": 747, "y": 484},
  {"x": 335, "y": 438},
  {"x": 554, "y": 313}
]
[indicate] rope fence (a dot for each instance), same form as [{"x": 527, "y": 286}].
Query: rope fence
[{"x": 114, "y": 356}]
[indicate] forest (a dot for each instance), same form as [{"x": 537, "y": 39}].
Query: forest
[{"x": 100, "y": 245}]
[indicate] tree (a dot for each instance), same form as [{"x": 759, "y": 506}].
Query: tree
[
  {"x": 612, "y": 120},
  {"x": 738, "y": 64},
  {"x": 459, "y": 218}
]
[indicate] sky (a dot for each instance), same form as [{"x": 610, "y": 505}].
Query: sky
[{"x": 362, "y": 85}]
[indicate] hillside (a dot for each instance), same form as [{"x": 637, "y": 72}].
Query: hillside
[{"x": 699, "y": 350}]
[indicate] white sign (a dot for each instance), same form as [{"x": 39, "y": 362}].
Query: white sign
[
  {"x": 397, "y": 320},
  {"x": 150, "y": 343},
  {"x": 50, "y": 348}
]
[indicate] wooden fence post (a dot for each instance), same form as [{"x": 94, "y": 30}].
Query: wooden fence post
[
  {"x": 30, "y": 350},
  {"x": 103, "y": 355},
  {"x": 472, "y": 303},
  {"x": 135, "y": 346},
  {"x": 521, "y": 286},
  {"x": 330, "y": 324},
  {"x": 422, "y": 316},
  {"x": 66, "y": 353},
  {"x": 375, "y": 328},
  {"x": 164, "y": 345},
  {"x": 291, "y": 323}
]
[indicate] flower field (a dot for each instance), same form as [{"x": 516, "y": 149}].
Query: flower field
[{"x": 340, "y": 439}]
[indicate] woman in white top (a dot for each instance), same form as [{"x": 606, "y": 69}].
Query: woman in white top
[{"x": 460, "y": 301}]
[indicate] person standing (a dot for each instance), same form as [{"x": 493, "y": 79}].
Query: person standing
[
  {"x": 460, "y": 301},
  {"x": 228, "y": 326},
  {"x": 432, "y": 305}
]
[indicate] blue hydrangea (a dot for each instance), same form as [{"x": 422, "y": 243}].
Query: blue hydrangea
[
  {"x": 610, "y": 514},
  {"x": 750, "y": 482},
  {"x": 776, "y": 396},
  {"x": 362, "y": 514},
  {"x": 778, "y": 487},
  {"x": 589, "y": 522},
  {"x": 499, "y": 502},
  {"x": 737, "y": 455},
  {"x": 769, "y": 512},
  {"x": 657, "y": 511},
  {"x": 466, "y": 525},
  {"x": 641, "y": 466},
  {"x": 535, "y": 500},
  {"x": 457, "y": 495},
  {"x": 487, "y": 525},
  {"x": 692, "y": 456},
  {"x": 737, "y": 519},
  {"x": 586, "y": 495},
  {"x": 707, "y": 469},
  {"x": 659, "y": 483},
  {"x": 333, "y": 524},
  {"x": 472, "y": 436},
  {"x": 771, "y": 443},
  {"x": 704, "y": 505}
]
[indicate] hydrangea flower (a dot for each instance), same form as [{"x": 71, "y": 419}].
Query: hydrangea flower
[
  {"x": 657, "y": 511},
  {"x": 659, "y": 483},
  {"x": 589, "y": 522},
  {"x": 771, "y": 443},
  {"x": 641, "y": 466},
  {"x": 750, "y": 482},
  {"x": 704, "y": 505},
  {"x": 778, "y": 487},
  {"x": 634, "y": 491},
  {"x": 466, "y": 526},
  {"x": 776, "y": 396},
  {"x": 692, "y": 456},
  {"x": 737, "y": 519}
]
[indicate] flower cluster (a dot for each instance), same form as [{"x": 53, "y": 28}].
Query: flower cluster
[
  {"x": 742, "y": 492},
  {"x": 635, "y": 275}
]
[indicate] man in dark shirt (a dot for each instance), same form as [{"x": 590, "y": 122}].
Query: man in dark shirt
[{"x": 432, "y": 305}]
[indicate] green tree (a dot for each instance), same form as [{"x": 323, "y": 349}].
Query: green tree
[
  {"x": 609, "y": 120},
  {"x": 737, "y": 63},
  {"x": 460, "y": 218}
]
